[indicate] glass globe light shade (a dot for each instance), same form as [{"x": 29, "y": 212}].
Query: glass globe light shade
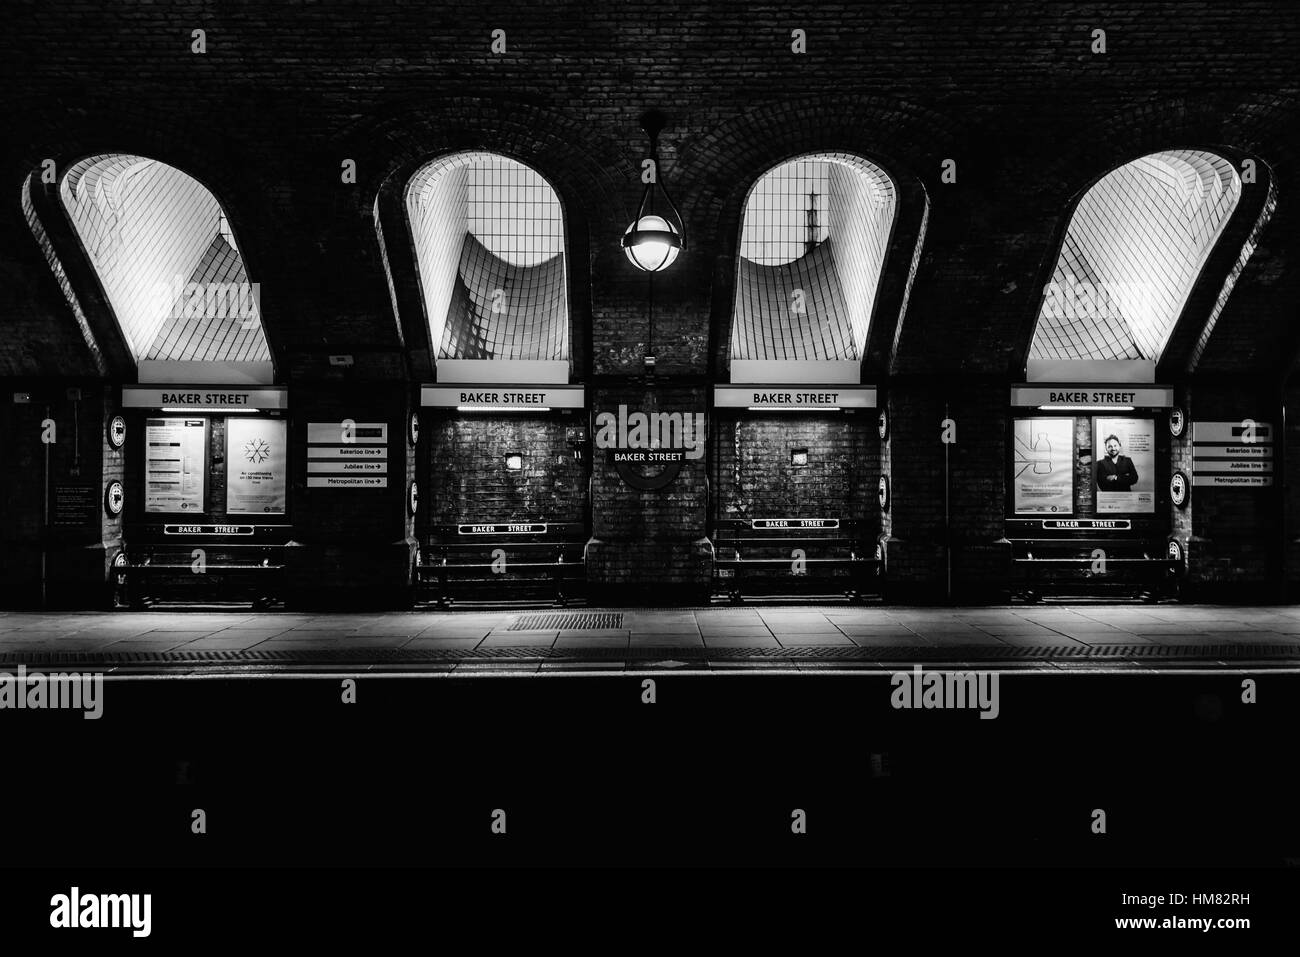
[{"x": 652, "y": 243}]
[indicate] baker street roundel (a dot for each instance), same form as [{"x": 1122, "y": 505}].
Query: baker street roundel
[
  {"x": 1178, "y": 488},
  {"x": 117, "y": 431},
  {"x": 648, "y": 483},
  {"x": 1177, "y": 421},
  {"x": 114, "y": 498}
]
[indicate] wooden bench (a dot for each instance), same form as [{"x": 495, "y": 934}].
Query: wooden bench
[
  {"x": 494, "y": 562},
  {"x": 783, "y": 556},
  {"x": 1135, "y": 562},
  {"x": 150, "y": 572}
]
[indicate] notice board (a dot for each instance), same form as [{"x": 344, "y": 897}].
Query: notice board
[{"x": 175, "y": 464}]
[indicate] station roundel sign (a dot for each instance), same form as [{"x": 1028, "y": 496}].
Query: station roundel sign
[
  {"x": 413, "y": 428},
  {"x": 117, "y": 431},
  {"x": 882, "y": 425},
  {"x": 882, "y": 492},
  {"x": 114, "y": 498},
  {"x": 1178, "y": 488},
  {"x": 1175, "y": 550},
  {"x": 413, "y": 497},
  {"x": 1177, "y": 421}
]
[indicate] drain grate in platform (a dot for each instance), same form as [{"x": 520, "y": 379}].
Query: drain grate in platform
[{"x": 584, "y": 620}]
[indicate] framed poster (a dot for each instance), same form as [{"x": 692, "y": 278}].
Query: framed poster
[
  {"x": 1042, "y": 469},
  {"x": 175, "y": 462},
  {"x": 1125, "y": 473},
  {"x": 256, "y": 466}
]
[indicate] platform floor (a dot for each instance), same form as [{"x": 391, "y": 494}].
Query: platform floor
[{"x": 1050, "y": 636}]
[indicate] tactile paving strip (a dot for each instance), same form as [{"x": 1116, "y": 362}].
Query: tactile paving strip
[{"x": 909, "y": 653}]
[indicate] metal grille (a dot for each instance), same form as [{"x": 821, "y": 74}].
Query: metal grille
[
  {"x": 500, "y": 311},
  {"x": 785, "y": 214},
  {"x": 151, "y": 232},
  {"x": 812, "y": 246},
  {"x": 562, "y": 622},
  {"x": 489, "y": 242},
  {"x": 1133, "y": 250}
]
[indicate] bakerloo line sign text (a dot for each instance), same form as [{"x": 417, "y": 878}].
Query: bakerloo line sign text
[{"x": 665, "y": 439}]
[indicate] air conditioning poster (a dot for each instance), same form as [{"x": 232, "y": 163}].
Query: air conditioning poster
[
  {"x": 256, "y": 466},
  {"x": 1125, "y": 473},
  {"x": 175, "y": 460},
  {"x": 1043, "y": 466}
]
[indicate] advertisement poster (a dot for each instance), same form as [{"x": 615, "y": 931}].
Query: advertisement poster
[
  {"x": 256, "y": 466},
  {"x": 1043, "y": 466},
  {"x": 1125, "y": 474},
  {"x": 175, "y": 461}
]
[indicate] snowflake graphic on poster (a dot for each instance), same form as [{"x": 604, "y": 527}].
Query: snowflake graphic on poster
[{"x": 257, "y": 451}]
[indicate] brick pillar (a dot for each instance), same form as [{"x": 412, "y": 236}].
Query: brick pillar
[
  {"x": 352, "y": 547},
  {"x": 648, "y": 546},
  {"x": 947, "y": 514},
  {"x": 1288, "y": 462},
  {"x": 59, "y": 539}
]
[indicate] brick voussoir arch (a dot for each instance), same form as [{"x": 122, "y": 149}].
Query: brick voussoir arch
[
  {"x": 907, "y": 141},
  {"x": 590, "y": 175},
  {"x": 1262, "y": 129}
]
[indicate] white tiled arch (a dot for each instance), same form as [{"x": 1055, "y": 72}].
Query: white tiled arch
[
  {"x": 489, "y": 239},
  {"x": 813, "y": 242},
  {"x": 167, "y": 260},
  {"x": 1133, "y": 250}
]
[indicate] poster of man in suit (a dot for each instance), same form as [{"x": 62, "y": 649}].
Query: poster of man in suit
[{"x": 1125, "y": 470}]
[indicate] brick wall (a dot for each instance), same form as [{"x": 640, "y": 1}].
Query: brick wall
[
  {"x": 1014, "y": 95},
  {"x": 54, "y": 495},
  {"x": 755, "y": 478},
  {"x": 469, "y": 481}
]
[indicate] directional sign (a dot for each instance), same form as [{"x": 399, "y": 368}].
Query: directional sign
[
  {"x": 1232, "y": 454},
  {"x": 347, "y": 454}
]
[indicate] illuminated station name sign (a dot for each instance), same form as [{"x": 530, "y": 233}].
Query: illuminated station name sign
[
  {"x": 807, "y": 397},
  {"x": 502, "y": 397},
  {"x": 1083, "y": 397},
  {"x": 188, "y": 397}
]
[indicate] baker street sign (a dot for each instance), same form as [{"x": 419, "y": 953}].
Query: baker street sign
[{"x": 648, "y": 448}]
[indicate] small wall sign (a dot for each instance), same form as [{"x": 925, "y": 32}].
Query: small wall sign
[{"x": 117, "y": 431}]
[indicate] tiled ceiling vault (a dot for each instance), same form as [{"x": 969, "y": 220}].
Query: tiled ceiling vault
[
  {"x": 489, "y": 242},
  {"x": 167, "y": 260},
  {"x": 1132, "y": 253},
  {"x": 812, "y": 247}
]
